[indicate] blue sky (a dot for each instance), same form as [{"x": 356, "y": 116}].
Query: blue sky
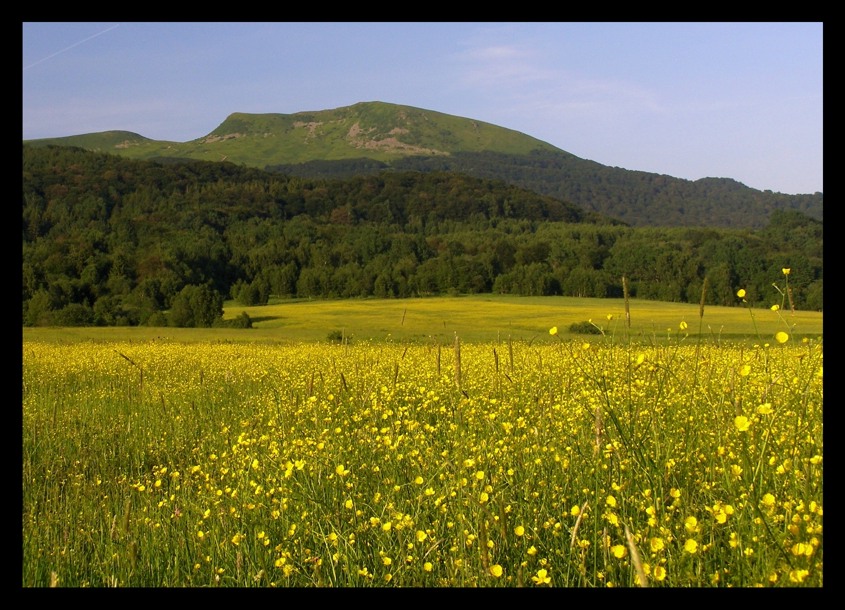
[{"x": 690, "y": 100}]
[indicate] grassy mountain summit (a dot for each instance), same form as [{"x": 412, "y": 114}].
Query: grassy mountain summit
[
  {"x": 375, "y": 130},
  {"x": 103, "y": 141}
]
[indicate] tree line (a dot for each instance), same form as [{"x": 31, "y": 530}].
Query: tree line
[{"x": 114, "y": 241}]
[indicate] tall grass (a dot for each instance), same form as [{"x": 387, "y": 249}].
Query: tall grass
[{"x": 550, "y": 461}]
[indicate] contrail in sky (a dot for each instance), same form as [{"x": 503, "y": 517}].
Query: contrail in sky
[{"x": 76, "y": 44}]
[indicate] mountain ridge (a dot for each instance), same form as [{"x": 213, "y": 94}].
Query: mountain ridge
[{"x": 369, "y": 137}]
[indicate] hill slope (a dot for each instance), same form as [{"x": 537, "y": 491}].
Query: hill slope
[
  {"x": 375, "y": 130},
  {"x": 371, "y": 137}
]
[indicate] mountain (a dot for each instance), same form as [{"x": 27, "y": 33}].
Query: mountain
[
  {"x": 373, "y": 130},
  {"x": 372, "y": 137}
]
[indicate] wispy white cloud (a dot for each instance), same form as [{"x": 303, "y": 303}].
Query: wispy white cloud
[
  {"x": 496, "y": 66},
  {"x": 521, "y": 79}
]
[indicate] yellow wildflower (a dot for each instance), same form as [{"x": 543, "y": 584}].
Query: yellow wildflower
[
  {"x": 742, "y": 423},
  {"x": 542, "y": 577}
]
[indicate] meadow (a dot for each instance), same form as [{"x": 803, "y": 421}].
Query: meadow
[
  {"x": 429, "y": 449},
  {"x": 474, "y": 318}
]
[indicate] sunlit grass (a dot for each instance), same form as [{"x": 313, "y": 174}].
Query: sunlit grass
[
  {"x": 496, "y": 317},
  {"x": 543, "y": 461},
  {"x": 474, "y": 318}
]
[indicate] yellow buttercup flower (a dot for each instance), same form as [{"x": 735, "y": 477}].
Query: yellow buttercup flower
[
  {"x": 782, "y": 337},
  {"x": 742, "y": 423},
  {"x": 553, "y": 331},
  {"x": 764, "y": 409},
  {"x": 786, "y": 270},
  {"x": 741, "y": 293},
  {"x": 802, "y": 548},
  {"x": 542, "y": 577},
  {"x": 683, "y": 325},
  {"x": 496, "y": 570}
]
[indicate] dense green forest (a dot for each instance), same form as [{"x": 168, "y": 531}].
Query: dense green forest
[
  {"x": 640, "y": 199},
  {"x": 109, "y": 240}
]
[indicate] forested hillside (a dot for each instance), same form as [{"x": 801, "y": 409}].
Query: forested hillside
[
  {"x": 113, "y": 241},
  {"x": 639, "y": 199}
]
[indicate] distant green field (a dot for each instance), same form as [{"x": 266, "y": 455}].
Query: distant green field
[{"x": 474, "y": 318}]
